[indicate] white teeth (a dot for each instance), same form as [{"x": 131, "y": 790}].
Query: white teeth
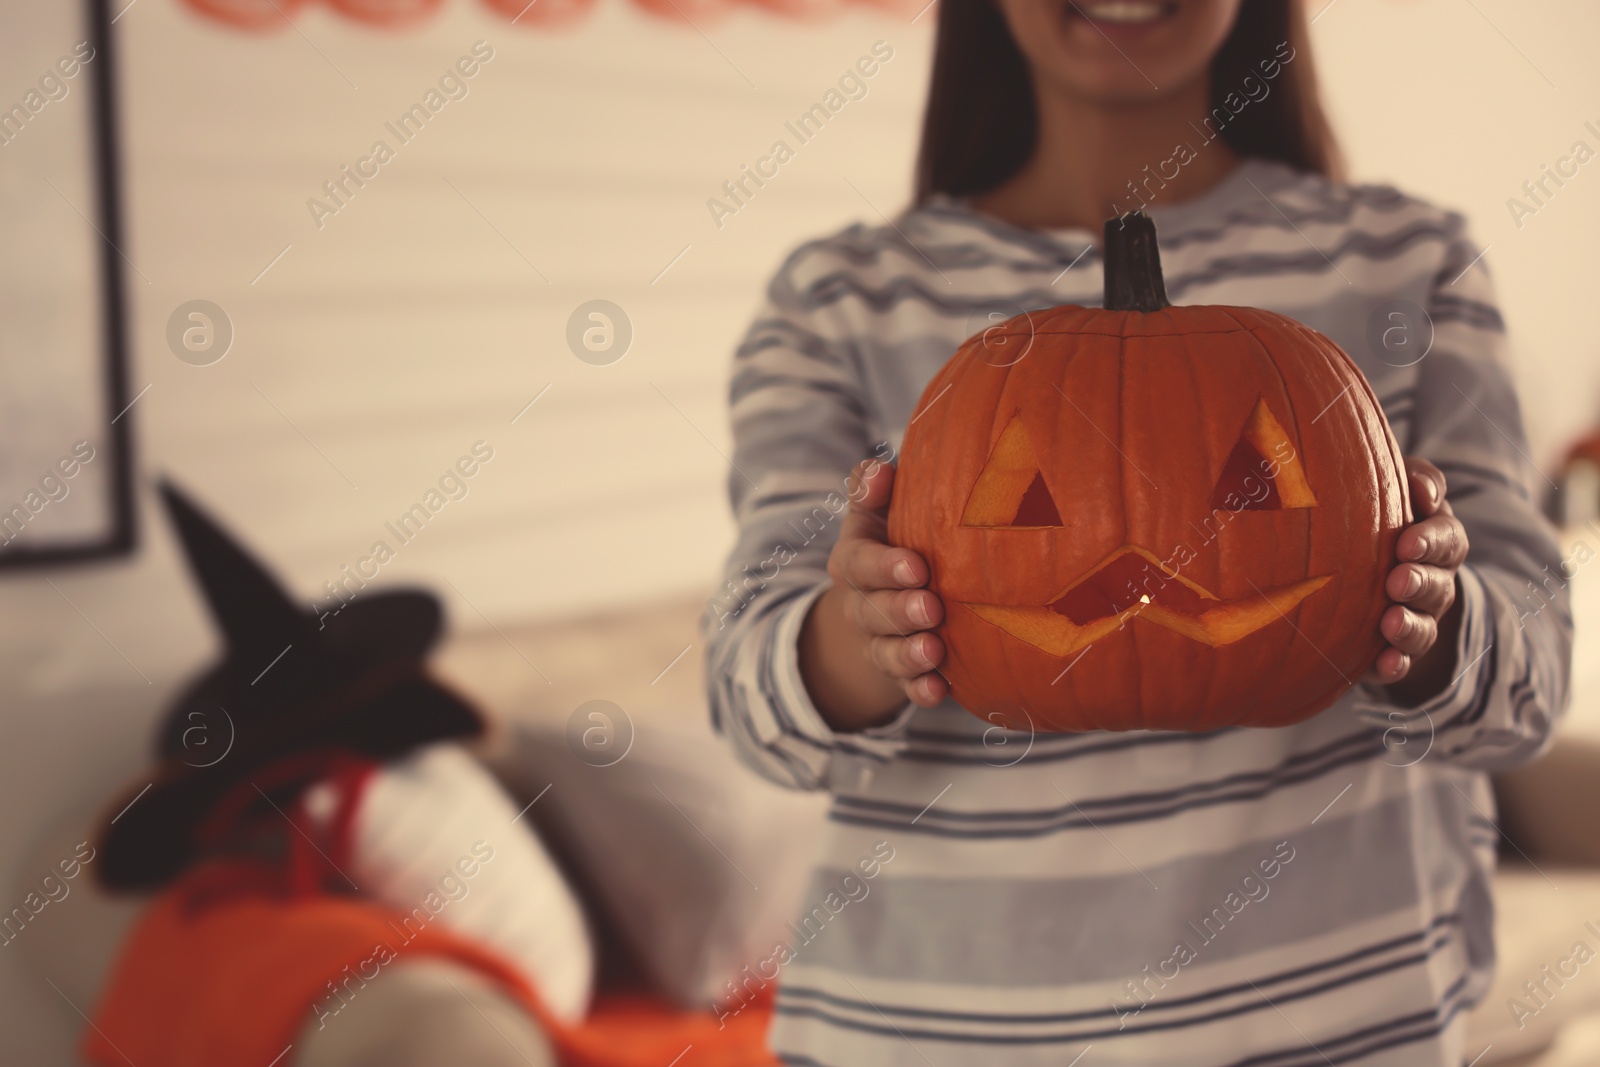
[{"x": 1122, "y": 10}]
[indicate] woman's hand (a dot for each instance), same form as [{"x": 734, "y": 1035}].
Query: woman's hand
[
  {"x": 865, "y": 645},
  {"x": 1422, "y": 624}
]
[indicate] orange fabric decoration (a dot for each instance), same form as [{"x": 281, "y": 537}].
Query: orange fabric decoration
[
  {"x": 630, "y": 1030},
  {"x": 223, "y": 970}
]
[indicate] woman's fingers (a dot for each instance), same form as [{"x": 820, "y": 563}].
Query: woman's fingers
[
  {"x": 907, "y": 658},
  {"x": 869, "y": 487},
  {"x": 887, "y": 604},
  {"x": 927, "y": 690},
  {"x": 1427, "y": 486},
  {"x": 897, "y": 612},
  {"x": 1440, "y": 540},
  {"x": 1423, "y": 585},
  {"x": 865, "y": 564},
  {"x": 1430, "y": 590},
  {"x": 861, "y": 559},
  {"x": 1411, "y": 632},
  {"x": 1391, "y": 666}
]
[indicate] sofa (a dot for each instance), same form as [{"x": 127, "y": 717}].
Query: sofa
[{"x": 647, "y": 663}]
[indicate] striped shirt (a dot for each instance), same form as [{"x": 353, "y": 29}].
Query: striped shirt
[{"x": 1314, "y": 894}]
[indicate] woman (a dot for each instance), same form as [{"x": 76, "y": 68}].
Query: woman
[{"x": 1313, "y": 894}]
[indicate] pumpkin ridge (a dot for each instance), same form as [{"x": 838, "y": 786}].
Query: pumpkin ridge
[
  {"x": 1387, "y": 446},
  {"x": 1192, "y": 361},
  {"x": 1120, "y": 441}
]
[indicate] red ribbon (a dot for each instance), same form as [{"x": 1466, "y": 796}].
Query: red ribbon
[{"x": 318, "y": 851}]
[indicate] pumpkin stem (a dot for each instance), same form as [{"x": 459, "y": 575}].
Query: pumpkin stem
[{"x": 1133, "y": 265}]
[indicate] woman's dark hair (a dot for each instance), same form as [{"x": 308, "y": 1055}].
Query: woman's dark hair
[{"x": 981, "y": 121}]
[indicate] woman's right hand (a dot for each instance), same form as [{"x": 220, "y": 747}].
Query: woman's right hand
[{"x": 866, "y": 646}]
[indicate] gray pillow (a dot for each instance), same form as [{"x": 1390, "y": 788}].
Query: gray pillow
[{"x": 691, "y": 861}]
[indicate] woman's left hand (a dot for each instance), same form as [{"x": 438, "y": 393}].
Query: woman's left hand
[{"x": 1422, "y": 623}]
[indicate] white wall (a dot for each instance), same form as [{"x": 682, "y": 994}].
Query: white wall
[
  {"x": 408, "y": 327},
  {"x": 1462, "y": 103}
]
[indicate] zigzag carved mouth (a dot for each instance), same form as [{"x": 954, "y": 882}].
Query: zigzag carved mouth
[{"x": 1132, "y": 583}]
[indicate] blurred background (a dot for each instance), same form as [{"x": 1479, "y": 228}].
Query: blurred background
[{"x": 366, "y": 346}]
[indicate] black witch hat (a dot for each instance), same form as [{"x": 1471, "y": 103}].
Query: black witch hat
[{"x": 290, "y": 683}]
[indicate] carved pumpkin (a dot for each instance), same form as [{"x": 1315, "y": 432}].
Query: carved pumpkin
[{"x": 1151, "y": 517}]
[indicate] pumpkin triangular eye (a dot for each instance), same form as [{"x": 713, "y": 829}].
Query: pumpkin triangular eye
[
  {"x": 1263, "y": 472},
  {"x": 1011, "y": 490}
]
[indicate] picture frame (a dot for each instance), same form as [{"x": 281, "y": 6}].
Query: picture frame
[{"x": 66, "y": 493}]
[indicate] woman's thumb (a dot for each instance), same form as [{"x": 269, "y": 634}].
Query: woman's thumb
[{"x": 869, "y": 487}]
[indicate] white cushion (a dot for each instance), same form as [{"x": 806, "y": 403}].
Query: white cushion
[
  {"x": 426, "y": 1012},
  {"x": 436, "y": 836}
]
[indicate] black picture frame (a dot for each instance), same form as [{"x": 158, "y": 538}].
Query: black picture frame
[{"x": 120, "y": 535}]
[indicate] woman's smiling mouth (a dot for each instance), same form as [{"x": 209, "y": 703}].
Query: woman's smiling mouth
[{"x": 1121, "y": 13}]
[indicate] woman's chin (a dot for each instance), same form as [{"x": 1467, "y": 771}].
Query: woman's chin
[{"x": 1121, "y": 50}]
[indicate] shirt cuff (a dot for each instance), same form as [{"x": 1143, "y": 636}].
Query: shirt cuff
[{"x": 793, "y": 704}]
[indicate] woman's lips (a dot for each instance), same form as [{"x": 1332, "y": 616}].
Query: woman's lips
[
  {"x": 1120, "y": 19},
  {"x": 1122, "y": 12}
]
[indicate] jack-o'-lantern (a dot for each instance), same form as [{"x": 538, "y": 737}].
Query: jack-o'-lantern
[{"x": 1144, "y": 516}]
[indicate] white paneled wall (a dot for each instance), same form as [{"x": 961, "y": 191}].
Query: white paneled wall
[{"x": 431, "y": 308}]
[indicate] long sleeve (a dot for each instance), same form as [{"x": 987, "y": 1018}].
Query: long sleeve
[
  {"x": 1515, "y": 643},
  {"x": 799, "y": 425}
]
